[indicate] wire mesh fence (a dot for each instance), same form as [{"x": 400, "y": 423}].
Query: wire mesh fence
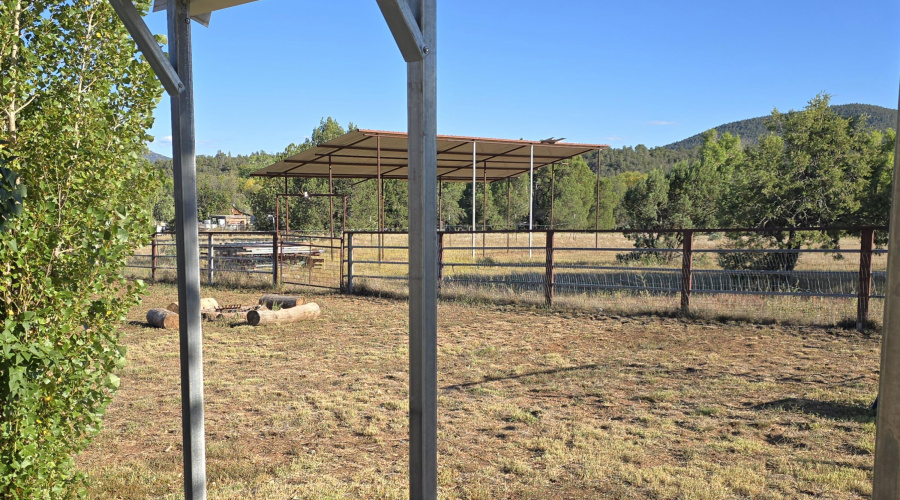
[{"x": 829, "y": 277}]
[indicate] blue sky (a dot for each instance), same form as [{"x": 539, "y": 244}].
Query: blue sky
[{"x": 618, "y": 73}]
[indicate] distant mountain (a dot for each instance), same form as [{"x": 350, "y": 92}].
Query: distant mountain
[
  {"x": 752, "y": 128},
  {"x": 155, "y": 157}
]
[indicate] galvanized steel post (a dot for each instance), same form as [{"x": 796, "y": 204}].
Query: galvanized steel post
[
  {"x": 188, "y": 254},
  {"x": 421, "y": 87}
]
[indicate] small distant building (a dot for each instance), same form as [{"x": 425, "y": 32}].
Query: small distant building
[{"x": 235, "y": 220}]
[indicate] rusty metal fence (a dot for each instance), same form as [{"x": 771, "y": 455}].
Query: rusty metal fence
[
  {"x": 723, "y": 272},
  {"x": 684, "y": 271},
  {"x": 249, "y": 258}
]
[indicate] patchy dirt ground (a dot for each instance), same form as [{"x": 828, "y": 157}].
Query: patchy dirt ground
[{"x": 532, "y": 404}]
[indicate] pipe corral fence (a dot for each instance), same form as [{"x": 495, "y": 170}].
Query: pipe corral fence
[{"x": 723, "y": 272}]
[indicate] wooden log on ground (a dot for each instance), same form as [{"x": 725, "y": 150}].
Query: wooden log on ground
[
  {"x": 162, "y": 318},
  {"x": 208, "y": 303},
  {"x": 228, "y": 315},
  {"x": 290, "y": 315},
  {"x": 271, "y": 300}
]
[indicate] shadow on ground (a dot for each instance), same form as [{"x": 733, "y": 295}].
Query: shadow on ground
[
  {"x": 825, "y": 409},
  {"x": 464, "y": 385}
]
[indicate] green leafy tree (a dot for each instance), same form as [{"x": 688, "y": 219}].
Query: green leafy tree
[
  {"x": 812, "y": 173},
  {"x": 77, "y": 102}
]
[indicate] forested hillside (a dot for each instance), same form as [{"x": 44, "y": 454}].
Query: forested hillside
[{"x": 751, "y": 129}]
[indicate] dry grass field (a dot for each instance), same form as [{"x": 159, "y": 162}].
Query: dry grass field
[{"x": 533, "y": 403}]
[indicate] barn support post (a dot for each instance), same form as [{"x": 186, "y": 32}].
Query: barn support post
[
  {"x": 508, "y": 198},
  {"x": 530, "y": 198},
  {"x": 474, "y": 193},
  {"x": 331, "y": 207},
  {"x": 287, "y": 209},
  {"x": 552, "y": 191},
  {"x": 343, "y": 232},
  {"x": 886, "y": 479},
  {"x": 687, "y": 263},
  {"x": 380, "y": 200},
  {"x": 867, "y": 242},
  {"x": 484, "y": 210},
  {"x": 188, "y": 254},
  {"x": 549, "y": 270},
  {"x": 597, "y": 208},
  {"x": 440, "y": 204}
]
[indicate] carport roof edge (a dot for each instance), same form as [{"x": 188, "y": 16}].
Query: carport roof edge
[{"x": 359, "y": 153}]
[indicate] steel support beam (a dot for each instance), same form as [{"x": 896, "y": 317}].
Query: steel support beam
[
  {"x": 886, "y": 482},
  {"x": 188, "y": 254},
  {"x": 135, "y": 25},
  {"x": 421, "y": 84},
  {"x": 405, "y": 28}
]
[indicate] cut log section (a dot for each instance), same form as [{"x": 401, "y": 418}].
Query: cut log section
[
  {"x": 290, "y": 315},
  {"x": 271, "y": 300},
  {"x": 162, "y": 318},
  {"x": 207, "y": 303},
  {"x": 235, "y": 314}
]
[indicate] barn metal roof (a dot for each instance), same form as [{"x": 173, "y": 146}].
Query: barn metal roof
[{"x": 357, "y": 155}]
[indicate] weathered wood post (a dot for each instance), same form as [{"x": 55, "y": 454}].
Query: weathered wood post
[
  {"x": 209, "y": 259},
  {"x": 886, "y": 478},
  {"x": 549, "y": 274},
  {"x": 275, "y": 259},
  {"x": 867, "y": 242},
  {"x": 350, "y": 263},
  {"x": 153, "y": 257},
  {"x": 687, "y": 263}
]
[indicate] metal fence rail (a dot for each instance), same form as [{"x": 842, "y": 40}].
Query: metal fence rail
[
  {"x": 688, "y": 263},
  {"x": 702, "y": 261}
]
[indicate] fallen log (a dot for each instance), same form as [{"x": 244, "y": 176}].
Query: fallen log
[
  {"x": 271, "y": 300},
  {"x": 290, "y": 315},
  {"x": 162, "y": 318},
  {"x": 207, "y": 303}
]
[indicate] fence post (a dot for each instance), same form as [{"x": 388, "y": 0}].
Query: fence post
[
  {"x": 867, "y": 241},
  {"x": 350, "y": 263},
  {"x": 153, "y": 257},
  {"x": 275, "y": 259},
  {"x": 440, "y": 259},
  {"x": 209, "y": 259},
  {"x": 687, "y": 261},
  {"x": 549, "y": 276}
]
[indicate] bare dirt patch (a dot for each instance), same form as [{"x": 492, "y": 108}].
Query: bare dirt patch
[{"x": 532, "y": 404}]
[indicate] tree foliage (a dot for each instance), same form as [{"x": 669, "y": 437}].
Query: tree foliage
[{"x": 77, "y": 102}]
